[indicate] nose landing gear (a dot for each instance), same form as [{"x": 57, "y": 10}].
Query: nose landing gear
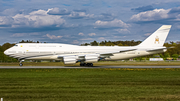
[{"x": 20, "y": 63}]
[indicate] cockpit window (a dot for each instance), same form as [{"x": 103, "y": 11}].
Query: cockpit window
[{"x": 15, "y": 45}]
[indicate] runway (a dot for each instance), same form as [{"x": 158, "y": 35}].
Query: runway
[{"x": 52, "y": 67}]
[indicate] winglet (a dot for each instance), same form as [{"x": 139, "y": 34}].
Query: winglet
[{"x": 158, "y": 38}]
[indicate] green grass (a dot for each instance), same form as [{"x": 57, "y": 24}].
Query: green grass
[{"x": 107, "y": 84}]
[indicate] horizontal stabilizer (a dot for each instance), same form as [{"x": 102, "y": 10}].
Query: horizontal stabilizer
[
  {"x": 150, "y": 50},
  {"x": 156, "y": 49}
]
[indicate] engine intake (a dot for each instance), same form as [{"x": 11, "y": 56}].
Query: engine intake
[
  {"x": 91, "y": 58},
  {"x": 69, "y": 60}
]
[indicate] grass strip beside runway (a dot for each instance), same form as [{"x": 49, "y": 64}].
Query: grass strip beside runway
[{"x": 161, "y": 84}]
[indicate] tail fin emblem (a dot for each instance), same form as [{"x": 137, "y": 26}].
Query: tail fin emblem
[{"x": 156, "y": 40}]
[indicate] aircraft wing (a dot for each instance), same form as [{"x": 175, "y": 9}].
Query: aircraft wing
[{"x": 90, "y": 57}]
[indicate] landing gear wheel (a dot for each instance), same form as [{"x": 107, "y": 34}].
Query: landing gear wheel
[
  {"x": 86, "y": 64},
  {"x": 90, "y": 64},
  {"x": 20, "y": 64},
  {"x": 82, "y": 64}
]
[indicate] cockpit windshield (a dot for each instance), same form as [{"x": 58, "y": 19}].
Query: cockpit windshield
[{"x": 15, "y": 45}]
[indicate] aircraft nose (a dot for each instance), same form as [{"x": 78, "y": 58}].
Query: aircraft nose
[{"x": 6, "y": 52}]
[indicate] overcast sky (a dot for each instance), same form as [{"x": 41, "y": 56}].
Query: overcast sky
[{"x": 81, "y": 21}]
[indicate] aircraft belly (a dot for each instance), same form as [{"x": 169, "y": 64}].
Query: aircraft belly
[
  {"x": 155, "y": 52},
  {"x": 133, "y": 54},
  {"x": 50, "y": 57},
  {"x": 121, "y": 56}
]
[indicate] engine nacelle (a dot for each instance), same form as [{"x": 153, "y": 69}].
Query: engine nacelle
[
  {"x": 91, "y": 58},
  {"x": 69, "y": 60}
]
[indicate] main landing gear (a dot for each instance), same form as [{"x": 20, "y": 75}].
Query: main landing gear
[{"x": 86, "y": 64}]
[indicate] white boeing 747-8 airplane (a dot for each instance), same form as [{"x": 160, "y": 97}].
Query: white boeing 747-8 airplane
[{"x": 87, "y": 55}]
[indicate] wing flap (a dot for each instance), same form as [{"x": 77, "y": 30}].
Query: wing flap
[{"x": 108, "y": 54}]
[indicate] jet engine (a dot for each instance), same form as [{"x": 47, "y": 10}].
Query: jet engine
[
  {"x": 91, "y": 58},
  {"x": 69, "y": 60}
]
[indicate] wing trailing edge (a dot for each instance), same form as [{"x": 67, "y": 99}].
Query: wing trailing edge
[{"x": 121, "y": 51}]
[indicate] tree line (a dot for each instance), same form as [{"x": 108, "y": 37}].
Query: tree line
[
  {"x": 112, "y": 43},
  {"x": 170, "y": 53}
]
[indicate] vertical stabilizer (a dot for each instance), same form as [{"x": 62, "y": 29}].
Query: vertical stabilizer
[{"x": 158, "y": 38}]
